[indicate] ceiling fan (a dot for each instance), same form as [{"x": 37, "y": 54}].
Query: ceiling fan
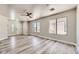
[{"x": 26, "y": 13}]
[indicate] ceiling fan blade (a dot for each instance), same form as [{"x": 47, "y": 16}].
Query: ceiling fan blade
[{"x": 30, "y": 13}]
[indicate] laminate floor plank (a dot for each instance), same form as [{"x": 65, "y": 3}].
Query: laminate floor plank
[{"x": 33, "y": 45}]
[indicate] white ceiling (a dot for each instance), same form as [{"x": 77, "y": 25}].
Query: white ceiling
[
  {"x": 21, "y": 7},
  {"x": 38, "y": 10}
]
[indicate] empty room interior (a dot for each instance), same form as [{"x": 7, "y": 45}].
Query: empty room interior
[{"x": 39, "y": 29}]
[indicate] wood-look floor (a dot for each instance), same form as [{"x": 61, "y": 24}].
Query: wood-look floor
[{"x": 33, "y": 45}]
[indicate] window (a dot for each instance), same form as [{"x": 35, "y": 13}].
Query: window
[
  {"x": 52, "y": 26},
  {"x": 58, "y": 26},
  {"x": 36, "y": 26},
  {"x": 61, "y": 26},
  {"x": 13, "y": 26},
  {"x": 13, "y": 21}
]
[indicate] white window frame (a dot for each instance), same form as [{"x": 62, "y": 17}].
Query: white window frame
[
  {"x": 62, "y": 30},
  {"x": 52, "y": 26},
  {"x": 13, "y": 26},
  {"x": 37, "y": 26},
  {"x": 34, "y": 26},
  {"x": 58, "y": 21}
]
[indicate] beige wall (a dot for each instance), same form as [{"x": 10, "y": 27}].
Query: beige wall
[
  {"x": 3, "y": 22},
  {"x": 19, "y": 26},
  {"x": 71, "y": 20},
  {"x": 18, "y": 31},
  {"x": 3, "y": 27},
  {"x": 77, "y": 32},
  {"x": 25, "y": 28}
]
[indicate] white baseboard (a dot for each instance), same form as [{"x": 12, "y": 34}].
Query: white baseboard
[{"x": 70, "y": 43}]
